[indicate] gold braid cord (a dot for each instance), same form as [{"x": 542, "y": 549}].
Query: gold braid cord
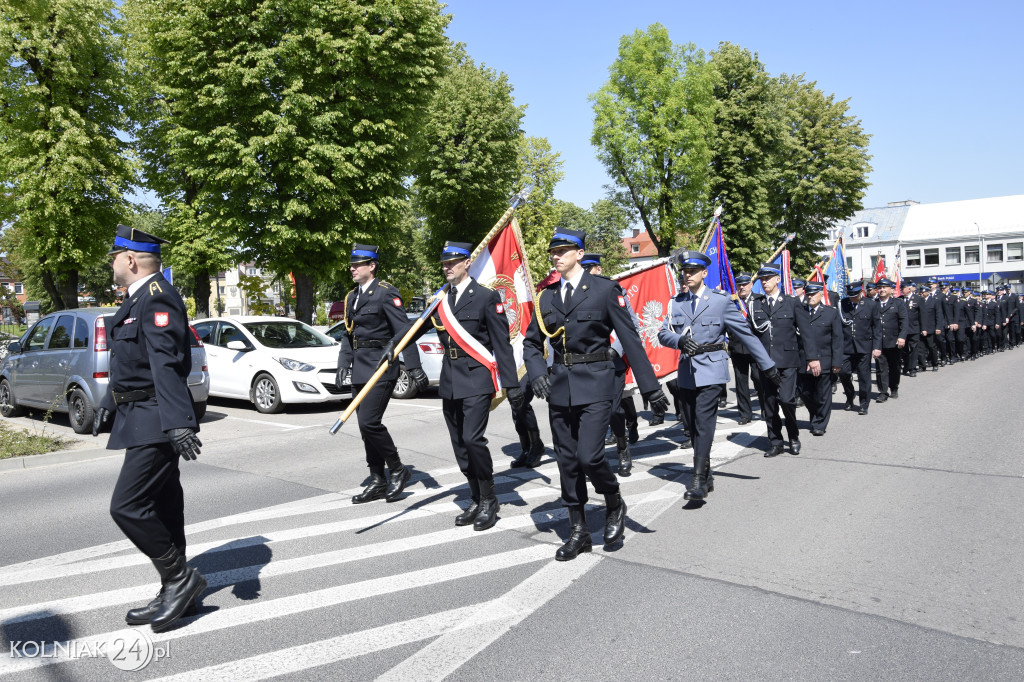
[
  {"x": 540, "y": 321},
  {"x": 349, "y": 324}
]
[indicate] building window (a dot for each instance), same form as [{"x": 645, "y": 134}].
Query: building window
[
  {"x": 931, "y": 257},
  {"x": 635, "y": 248},
  {"x": 252, "y": 271},
  {"x": 874, "y": 261},
  {"x": 914, "y": 258},
  {"x": 19, "y": 288},
  {"x": 971, "y": 255},
  {"x": 861, "y": 231},
  {"x": 222, "y": 289},
  {"x": 994, "y": 254},
  {"x": 1015, "y": 251},
  {"x": 953, "y": 255},
  {"x": 849, "y": 262}
]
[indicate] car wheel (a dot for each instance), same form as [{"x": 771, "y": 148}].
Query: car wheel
[
  {"x": 405, "y": 387},
  {"x": 200, "y": 411},
  {"x": 80, "y": 411},
  {"x": 7, "y": 406},
  {"x": 266, "y": 396}
]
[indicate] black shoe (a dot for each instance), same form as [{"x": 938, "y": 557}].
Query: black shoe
[
  {"x": 722, "y": 403},
  {"x": 610, "y": 438},
  {"x": 699, "y": 488},
  {"x": 374, "y": 491},
  {"x": 534, "y": 454},
  {"x": 656, "y": 420},
  {"x": 469, "y": 516},
  {"x": 774, "y": 451},
  {"x": 182, "y": 586},
  {"x": 399, "y": 477},
  {"x": 863, "y": 409},
  {"x": 895, "y": 394},
  {"x": 882, "y": 397},
  {"x": 817, "y": 432},
  {"x": 615, "y": 518},
  {"x": 579, "y": 536},
  {"x": 835, "y": 387},
  {"x": 744, "y": 420},
  {"x": 849, "y": 404},
  {"x": 935, "y": 368},
  {"x": 487, "y": 515},
  {"x": 625, "y": 457},
  {"x": 685, "y": 444},
  {"x": 632, "y": 433},
  {"x": 794, "y": 446},
  {"x": 143, "y": 614},
  {"x": 913, "y": 373}
]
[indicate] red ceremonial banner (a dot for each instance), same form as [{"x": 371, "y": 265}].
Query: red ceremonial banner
[{"x": 650, "y": 294}]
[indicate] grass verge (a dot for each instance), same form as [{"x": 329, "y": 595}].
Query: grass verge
[{"x": 18, "y": 443}]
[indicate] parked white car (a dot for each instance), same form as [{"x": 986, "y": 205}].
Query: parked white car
[{"x": 270, "y": 361}]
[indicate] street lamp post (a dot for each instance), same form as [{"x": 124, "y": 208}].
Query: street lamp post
[{"x": 981, "y": 250}]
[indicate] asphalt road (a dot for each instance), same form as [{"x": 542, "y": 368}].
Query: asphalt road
[{"x": 890, "y": 549}]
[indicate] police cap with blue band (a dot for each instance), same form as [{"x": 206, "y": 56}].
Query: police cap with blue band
[
  {"x": 800, "y": 284},
  {"x": 853, "y": 288},
  {"x": 565, "y": 237},
  {"x": 885, "y": 282},
  {"x": 455, "y": 251},
  {"x": 768, "y": 271},
  {"x": 813, "y": 287},
  {"x": 693, "y": 259},
  {"x": 129, "y": 239},
  {"x": 743, "y": 278},
  {"x": 591, "y": 259},
  {"x": 363, "y": 253}
]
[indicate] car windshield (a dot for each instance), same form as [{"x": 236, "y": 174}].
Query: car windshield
[{"x": 287, "y": 335}]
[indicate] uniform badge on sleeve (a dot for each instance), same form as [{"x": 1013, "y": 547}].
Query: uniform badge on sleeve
[
  {"x": 161, "y": 319},
  {"x": 622, "y": 301},
  {"x": 397, "y": 301},
  {"x": 500, "y": 308}
]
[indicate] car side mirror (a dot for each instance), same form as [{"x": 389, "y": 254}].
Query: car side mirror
[
  {"x": 239, "y": 345},
  {"x": 14, "y": 347}
]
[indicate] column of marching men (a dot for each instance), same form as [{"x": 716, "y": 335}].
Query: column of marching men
[{"x": 793, "y": 350}]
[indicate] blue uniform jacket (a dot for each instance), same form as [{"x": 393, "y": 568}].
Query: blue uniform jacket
[{"x": 715, "y": 314}]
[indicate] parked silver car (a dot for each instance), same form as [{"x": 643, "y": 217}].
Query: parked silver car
[
  {"x": 431, "y": 355},
  {"x": 62, "y": 363}
]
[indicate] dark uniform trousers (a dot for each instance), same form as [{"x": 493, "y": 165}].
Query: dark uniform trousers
[
  {"x": 889, "y": 369},
  {"x": 525, "y": 420},
  {"x": 910, "y": 352},
  {"x": 577, "y": 432},
  {"x": 700, "y": 407},
  {"x": 745, "y": 370},
  {"x": 931, "y": 350},
  {"x": 860, "y": 363},
  {"x": 148, "y": 502},
  {"x": 467, "y": 420},
  {"x": 817, "y": 391},
  {"x": 783, "y": 396},
  {"x": 377, "y": 442}
]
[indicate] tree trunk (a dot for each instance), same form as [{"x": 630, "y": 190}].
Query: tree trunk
[
  {"x": 69, "y": 288},
  {"x": 303, "y": 297},
  {"x": 201, "y": 293}
]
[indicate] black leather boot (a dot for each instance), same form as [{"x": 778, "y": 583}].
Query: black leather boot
[
  {"x": 615, "y": 518},
  {"x": 625, "y": 456},
  {"x": 400, "y": 475},
  {"x": 487, "y": 516},
  {"x": 524, "y": 451},
  {"x": 182, "y": 585},
  {"x": 536, "y": 449},
  {"x": 632, "y": 432},
  {"x": 579, "y": 536},
  {"x": 141, "y": 615},
  {"x": 698, "y": 489},
  {"x": 467, "y": 517},
  {"x": 374, "y": 491}
]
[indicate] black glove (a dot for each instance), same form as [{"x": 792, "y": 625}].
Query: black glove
[
  {"x": 344, "y": 376},
  {"x": 541, "y": 386},
  {"x": 657, "y": 400},
  {"x": 774, "y": 376},
  {"x": 185, "y": 443},
  {"x": 102, "y": 417},
  {"x": 419, "y": 377},
  {"x": 688, "y": 345},
  {"x": 387, "y": 354},
  {"x": 516, "y": 397}
]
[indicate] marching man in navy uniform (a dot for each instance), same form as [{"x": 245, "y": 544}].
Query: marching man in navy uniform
[
  {"x": 865, "y": 320},
  {"x": 696, "y": 325},
  {"x": 578, "y": 314},
  {"x": 478, "y": 362},
  {"x": 894, "y": 321},
  {"x": 827, "y": 328},
  {"x": 374, "y": 315},
  {"x": 784, "y": 328},
  {"x": 154, "y": 421}
]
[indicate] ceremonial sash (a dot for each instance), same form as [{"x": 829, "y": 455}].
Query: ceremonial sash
[{"x": 468, "y": 342}]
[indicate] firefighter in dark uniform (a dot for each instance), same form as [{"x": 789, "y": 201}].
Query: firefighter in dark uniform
[
  {"x": 784, "y": 329},
  {"x": 478, "y": 362},
  {"x": 958, "y": 324},
  {"x": 827, "y": 328},
  {"x": 866, "y": 335},
  {"x": 893, "y": 319},
  {"x": 374, "y": 316},
  {"x": 910, "y": 348},
  {"x": 989, "y": 318},
  {"x": 845, "y": 376},
  {"x": 933, "y": 321},
  {"x": 973, "y": 309},
  {"x": 577, "y": 315},
  {"x": 696, "y": 324},
  {"x": 154, "y": 420},
  {"x": 744, "y": 368}
]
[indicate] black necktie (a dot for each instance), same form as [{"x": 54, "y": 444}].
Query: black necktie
[
  {"x": 355, "y": 303},
  {"x": 568, "y": 295},
  {"x": 693, "y": 304},
  {"x": 452, "y": 293},
  {"x": 771, "y": 305}
]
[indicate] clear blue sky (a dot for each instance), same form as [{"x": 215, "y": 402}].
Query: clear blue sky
[{"x": 938, "y": 85}]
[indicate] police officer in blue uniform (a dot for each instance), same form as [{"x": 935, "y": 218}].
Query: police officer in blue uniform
[
  {"x": 894, "y": 322},
  {"x": 865, "y": 320},
  {"x": 154, "y": 421},
  {"x": 478, "y": 361},
  {"x": 827, "y": 328},
  {"x": 374, "y": 315},
  {"x": 784, "y": 329},
  {"x": 577, "y": 316},
  {"x": 696, "y": 324}
]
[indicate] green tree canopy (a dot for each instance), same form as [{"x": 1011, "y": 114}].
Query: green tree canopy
[
  {"x": 63, "y": 168},
  {"x": 541, "y": 167},
  {"x": 653, "y": 128}
]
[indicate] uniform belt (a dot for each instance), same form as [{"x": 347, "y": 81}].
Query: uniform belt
[
  {"x": 570, "y": 359},
  {"x": 368, "y": 343},
  {"x": 121, "y": 397},
  {"x": 454, "y": 352},
  {"x": 709, "y": 347}
]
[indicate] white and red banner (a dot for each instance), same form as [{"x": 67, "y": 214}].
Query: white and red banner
[
  {"x": 879, "y": 269},
  {"x": 819, "y": 276},
  {"x": 650, "y": 291},
  {"x": 502, "y": 267}
]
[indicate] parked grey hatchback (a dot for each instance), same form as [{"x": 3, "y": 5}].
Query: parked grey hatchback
[{"x": 62, "y": 364}]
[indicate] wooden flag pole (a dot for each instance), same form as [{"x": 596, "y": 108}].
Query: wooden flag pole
[
  {"x": 517, "y": 200},
  {"x": 706, "y": 241}
]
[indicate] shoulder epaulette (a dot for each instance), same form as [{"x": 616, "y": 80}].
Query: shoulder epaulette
[
  {"x": 719, "y": 292},
  {"x": 387, "y": 285},
  {"x": 485, "y": 286}
]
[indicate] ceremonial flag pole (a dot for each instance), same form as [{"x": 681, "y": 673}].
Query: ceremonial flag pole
[{"x": 432, "y": 304}]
